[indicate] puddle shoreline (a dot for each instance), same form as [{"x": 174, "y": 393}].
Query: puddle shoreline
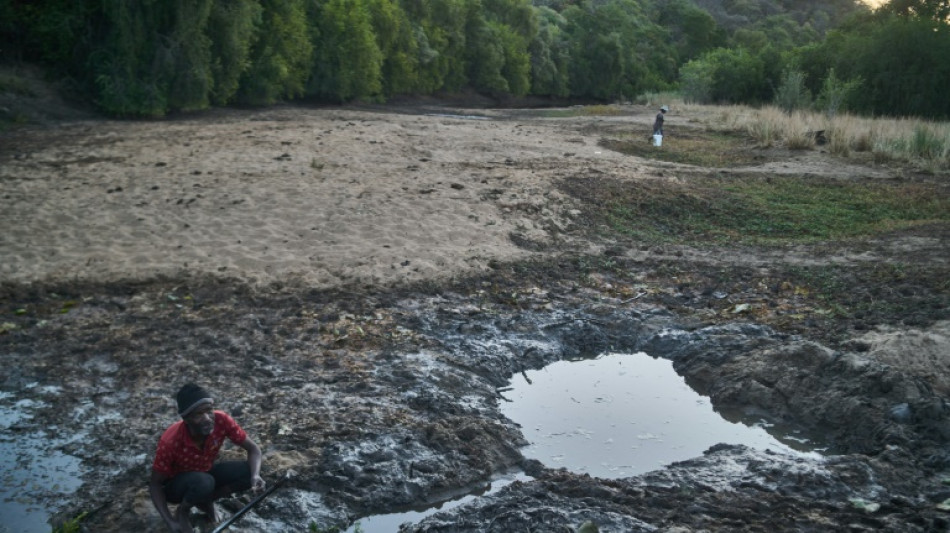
[{"x": 620, "y": 415}]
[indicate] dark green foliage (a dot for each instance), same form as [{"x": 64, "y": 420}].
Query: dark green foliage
[
  {"x": 836, "y": 94},
  {"x": 791, "y": 94},
  {"x": 232, "y": 28},
  {"x": 152, "y": 57},
  {"x": 54, "y": 32},
  {"x": 550, "y": 55},
  {"x": 617, "y": 51},
  {"x": 511, "y": 25},
  {"x": 497, "y": 36},
  {"x": 133, "y": 66},
  {"x": 155, "y": 57},
  {"x": 396, "y": 40},
  {"x": 347, "y": 60},
  {"x": 280, "y": 58},
  {"x": 438, "y": 29},
  {"x": 486, "y": 56},
  {"x": 906, "y": 67},
  {"x": 725, "y": 75},
  {"x": 693, "y": 30},
  {"x": 903, "y": 62},
  {"x": 190, "y": 49}
]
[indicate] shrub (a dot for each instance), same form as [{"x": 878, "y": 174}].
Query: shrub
[
  {"x": 835, "y": 94},
  {"x": 792, "y": 95}
]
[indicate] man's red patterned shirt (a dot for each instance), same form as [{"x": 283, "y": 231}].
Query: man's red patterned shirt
[{"x": 178, "y": 453}]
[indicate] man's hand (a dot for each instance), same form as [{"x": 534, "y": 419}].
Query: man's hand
[
  {"x": 257, "y": 484},
  {"x": 254, "y": 462}
]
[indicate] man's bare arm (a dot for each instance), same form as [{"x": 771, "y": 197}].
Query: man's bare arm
[
  {"x": 157, "y": 492},
  {"x": 254, "y": 461}
]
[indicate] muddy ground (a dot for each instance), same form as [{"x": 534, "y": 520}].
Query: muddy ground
[{"x": 378, "y": 384}]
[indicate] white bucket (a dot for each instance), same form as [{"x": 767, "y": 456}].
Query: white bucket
[{"x": 657, "y": 139}]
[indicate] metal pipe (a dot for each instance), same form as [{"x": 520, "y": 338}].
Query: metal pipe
[{"x": 224, "y": 525}]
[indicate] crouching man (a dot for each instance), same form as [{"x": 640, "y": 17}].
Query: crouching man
[{"x": 184, "y": 471}]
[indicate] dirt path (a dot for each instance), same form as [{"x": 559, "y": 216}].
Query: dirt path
[{"x": 329, "y": 273}]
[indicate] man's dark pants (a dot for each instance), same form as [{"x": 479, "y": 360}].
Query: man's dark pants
[{"x": 203, "y": 487}]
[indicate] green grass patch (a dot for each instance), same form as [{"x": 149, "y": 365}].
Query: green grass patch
[
  {"x": 71, "y": 526},
  {"x": 760, "y": 210},
  {"x": 581, "y": 111},
  {"x": 878, "y": 293},
  {"x": 706, "y": 149}
]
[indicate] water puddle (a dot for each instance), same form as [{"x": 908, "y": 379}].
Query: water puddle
[
  {"x": 32, "y": 471},
  {"x": 462, "y": 117},
  {"x": 387, "y": 523},
  {"x": 625, "y": 414}
]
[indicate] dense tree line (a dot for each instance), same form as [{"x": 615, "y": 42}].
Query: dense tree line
[
  {"x": 151, "y": 57},
  {"x": 894, "y": 61}
]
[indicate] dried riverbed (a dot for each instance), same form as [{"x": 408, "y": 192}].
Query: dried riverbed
[{"x": 380, "y": 394}]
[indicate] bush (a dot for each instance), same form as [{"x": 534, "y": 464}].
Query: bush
[
  {"x": 835, "y": 94},
  {"x": 792, "y": 95}
]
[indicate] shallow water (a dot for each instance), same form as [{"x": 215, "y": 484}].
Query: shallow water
[
  {"x": 389, "y": 523},
  {"x": 30, "y": 471},
  {"x": 620, "y": 415}
]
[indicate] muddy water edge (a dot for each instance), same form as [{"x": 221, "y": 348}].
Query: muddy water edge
[{"x": 382, "y": 400}]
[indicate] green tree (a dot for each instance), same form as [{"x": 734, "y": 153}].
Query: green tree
[
  {"x": 58, "y": 33},
  {"x": 750, "y": 39},
  {"x": 396, "y": 40},
  {"x": 440, "y": 32},
  {"x": 155, "y": 57},
  {"x": 906, "y": 65},
  {"x": 692, "y": 29},
  {"x": 903, "y": 62},
  {"x": 347, "y": 60},
  {"x": 792, "y": 94},
  {"x": 697, "y": 78},
  {"x": 281, "y": 56},
  {"x": 486, "y": 55},
  {"x": 134, "y": 64},
  {"x": 836, "y": 93},
  {"x": 617, "y": 50},
  {"x": 232, "y": 28},
  {"x": 550, "y": 55},
  {"x": 497, "y": 36},
  {"x": 726, "y": 75},
  {"x": 190, "y": 69}
]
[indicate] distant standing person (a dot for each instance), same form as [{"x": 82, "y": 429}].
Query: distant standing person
[
  {"x": 658, "y": 123},
  {"x": 184, "y": 472}
]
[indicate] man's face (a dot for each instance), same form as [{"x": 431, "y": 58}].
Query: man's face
[{"x": 201, "y": 421}]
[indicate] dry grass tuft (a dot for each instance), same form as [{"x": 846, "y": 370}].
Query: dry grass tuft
[{"x": 917, "y": 141}]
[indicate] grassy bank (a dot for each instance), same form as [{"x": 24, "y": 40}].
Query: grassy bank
[
  {"x": 911, "y": 140},
  {"x": 727, "y": 130},
  {"x": 761, "y": 209}
]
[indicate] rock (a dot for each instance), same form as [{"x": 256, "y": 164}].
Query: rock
[
  {"x": 588, "y": 527},
  {"x": 901, "y": 413}
]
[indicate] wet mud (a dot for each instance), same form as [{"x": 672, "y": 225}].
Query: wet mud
[{"x": 378, "y": 401}]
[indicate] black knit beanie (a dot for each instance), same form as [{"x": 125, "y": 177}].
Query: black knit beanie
[{"x": 191, "y": 397}]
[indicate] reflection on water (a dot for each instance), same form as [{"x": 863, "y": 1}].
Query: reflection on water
[
  {"x": 624, "y": 414},
  {"x": 389, "y": 523},
  {"x": 30, "y": 471}
]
